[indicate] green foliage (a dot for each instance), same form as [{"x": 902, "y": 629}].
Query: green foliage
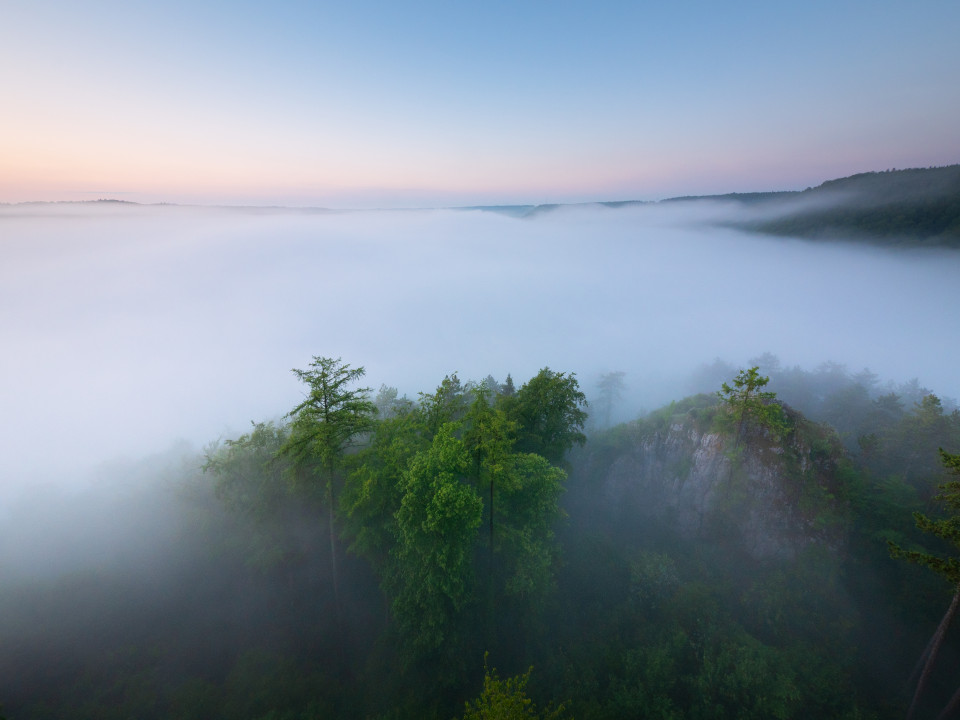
[
  {"x": 507, "y": 700},
  {"x": 331, "y": 417},
  {"x": 746, "y": 403},
  {"x": 527, "y": 506},
  {"x": 389, "y": 404},
  {"x": 373, "y": 491},
  {"x": 652, "y": 680},
  {"x": 918, "y": 206},
  {"x": 250, "y": 480},
  {"x": 623, "y": 618},
  {"x": 946, "y": 529},
  {"x": 654, "y": 578},
  {"x": 422, "y": 488},
  {"x": 249, "y": 475},
  {"x": 445, "y": 493},
  {"x": 437, "y": 522},
  {"x": 447, "y": 404},
  {"x": 742, "y": 678},
  {"x": 322, "y": 427},
  {"x": 549, "y": 413},
  {"x": 488, "y": 438},
  {"x": 907, "y": 447}
]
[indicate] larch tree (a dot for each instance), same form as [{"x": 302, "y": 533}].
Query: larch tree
[
  {"x": 322, "y": 427},
  {"x": 610, "y": 390}
]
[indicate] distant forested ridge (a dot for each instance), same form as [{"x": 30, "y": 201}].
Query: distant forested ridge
[
  {"x": 919, "y": 206},
  {"x": 916, "y": 207},
  {"x": 902, "y": 208}
]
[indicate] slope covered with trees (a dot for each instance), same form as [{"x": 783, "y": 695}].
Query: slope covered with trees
[
  {"x": 374, "y": 556},
  {"x": 897, "y": 207},
  {"x": 916, "y": 207}
]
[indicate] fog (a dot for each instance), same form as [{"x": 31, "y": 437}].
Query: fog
[
  {"x": 136, "y": 335},
  {"x": 127, "y": 328}
]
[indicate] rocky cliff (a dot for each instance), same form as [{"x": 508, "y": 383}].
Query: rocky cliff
[{"x": 679, "y": 469}]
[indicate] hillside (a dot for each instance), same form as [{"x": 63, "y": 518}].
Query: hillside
[
  {"x": 768, "y": 553},
  {"x": 896, "y": 207},
  {"x": 693, "y": 563},
  {"x": 903, "y": 208}
]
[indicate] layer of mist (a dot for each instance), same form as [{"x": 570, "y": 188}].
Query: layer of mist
[
  {"x": 129, "y": 327},
  {"x": 138, "y": 334}
]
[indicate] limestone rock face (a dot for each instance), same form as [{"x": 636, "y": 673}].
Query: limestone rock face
[{"x": 772, "y": 497}]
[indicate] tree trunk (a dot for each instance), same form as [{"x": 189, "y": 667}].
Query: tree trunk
[
  {"x": 935, "y": 643},
  {"x": 491, "y": 628},
  {"x": 333, "y": 556},
  {"x": 335, "y": 581},
  {"x": 951, "y": 707},
  {"x": 921, "y": 661},
  {"x": 733, "y": 453},
  {"x": 490, "y": 569}
]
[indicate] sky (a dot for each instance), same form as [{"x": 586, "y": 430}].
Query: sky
[{"x": 432, "y": 104}]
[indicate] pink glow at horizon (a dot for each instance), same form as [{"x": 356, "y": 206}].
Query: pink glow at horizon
[{"x": 375, "y": 106}]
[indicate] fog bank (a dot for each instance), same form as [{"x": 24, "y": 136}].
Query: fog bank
[{"x": 127, "y": 327}]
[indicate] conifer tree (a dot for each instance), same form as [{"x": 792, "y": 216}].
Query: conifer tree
[
  {"x": 322, "y": 427},
  {"x": 609, "y": 392},
  {"x": 746, "y": 402}
]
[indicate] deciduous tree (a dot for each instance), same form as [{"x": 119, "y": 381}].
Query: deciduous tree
[
  {"x": 550, "y": 414},
  {"x": 250, "y": 479},
  {"x": 507, "y": 700},
  {"x": 437, "y": 524}
]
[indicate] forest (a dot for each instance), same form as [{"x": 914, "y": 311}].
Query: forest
[
  {"x": 780, "y": 544},
  {"x": 908, "y": 208},
  {"x": 899, "y": 208}
]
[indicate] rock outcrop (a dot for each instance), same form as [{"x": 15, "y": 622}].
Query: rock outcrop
[{"x": 773, "y": 496}]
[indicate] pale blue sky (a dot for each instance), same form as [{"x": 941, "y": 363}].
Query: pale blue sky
[{"x": 367, "y": 104}]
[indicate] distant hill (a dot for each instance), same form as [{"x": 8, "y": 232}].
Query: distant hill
[
  {"x": 904, "y": 208},
  {"x": 895, "y": 207},
  {"x": 901, "y": 208}
]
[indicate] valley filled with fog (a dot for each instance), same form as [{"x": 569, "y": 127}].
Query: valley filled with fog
[
  {"x": 128, "y": 328},
  {"x": 648, "y": 552}
]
